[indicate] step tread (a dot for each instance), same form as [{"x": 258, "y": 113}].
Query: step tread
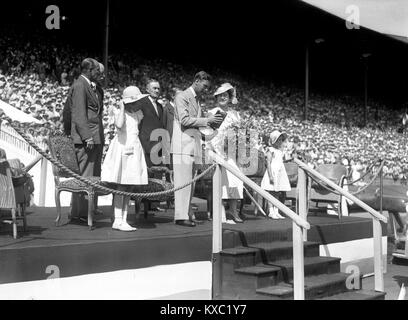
[
  {"x": 356, "y": 295},
  {"x": 258, "y": 269},
  {"x": 310, "y": 283},
  {"x": 279, "y": 245},
  {"x": 288, "y": 263},
  {"x": 238, "y": 251}
]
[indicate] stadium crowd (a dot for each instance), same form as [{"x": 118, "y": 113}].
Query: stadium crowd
[{"x": 35, "y": 78}]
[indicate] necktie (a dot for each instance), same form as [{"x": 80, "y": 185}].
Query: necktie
[{"x": 93, "y": 86}]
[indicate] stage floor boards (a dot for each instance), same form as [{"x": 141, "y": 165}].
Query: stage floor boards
[{"x": 42, "y": 231}]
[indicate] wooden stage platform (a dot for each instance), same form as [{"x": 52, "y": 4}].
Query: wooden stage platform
[{"x": 158, "y": 241}]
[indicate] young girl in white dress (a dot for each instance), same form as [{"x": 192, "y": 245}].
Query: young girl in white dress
[
  {"x": 232, "y": 187},
  {"x": 276, "y": 180},
  {"x": 125, "y": 164}
]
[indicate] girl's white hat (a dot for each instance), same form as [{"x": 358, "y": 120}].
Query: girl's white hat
[
  {"x": 274, "y": 136},
  {"x": 132, "y": 94}
]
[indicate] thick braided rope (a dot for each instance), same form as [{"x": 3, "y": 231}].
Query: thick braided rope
[{"x": 96, "y": 184}]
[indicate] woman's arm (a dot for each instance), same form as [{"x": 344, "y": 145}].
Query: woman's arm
[
  {"x": 120, "y": 116},
  {"x": 269, "y": 167}
]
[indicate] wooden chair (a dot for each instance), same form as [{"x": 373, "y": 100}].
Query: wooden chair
[
  {"x": 10, "y": 198},
  {"x": 317, "y": 193},
  {"x": 160, "y": 179},
  {"x": 292, "y": 172},
  {"x": 63, "y": 150}
]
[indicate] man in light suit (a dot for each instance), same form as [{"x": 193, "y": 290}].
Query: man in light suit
[
  {"x": 186, "y": 143},
  {"x": 86, "y": 127}
]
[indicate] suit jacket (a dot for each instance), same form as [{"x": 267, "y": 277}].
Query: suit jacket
[
  {"x": 150, "y": 122},
  {"x": 186, "y": 136},
  {"x": 168, "y": 118},
  {"x": 86, "y": 113}
]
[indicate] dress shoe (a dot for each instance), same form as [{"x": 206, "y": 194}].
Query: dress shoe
[
  {"x": 196, "y": 221},
  {"x": 98, "y": 212},
  {"x": 124, "y": 226},
  {"x": 185, "y": 223},
  {"x": 234, "y": 217}
]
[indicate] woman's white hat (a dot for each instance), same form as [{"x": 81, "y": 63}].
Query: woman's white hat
[
  {"x": 132, "y": 94},
  {"x": 223, "y": 88},
  {"x": 274, "y": 136}
]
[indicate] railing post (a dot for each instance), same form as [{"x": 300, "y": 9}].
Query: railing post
[
  {"x": 217, "y": 234},
  {"x": 378, "y": 256},
  {"x": 302, "y": 197},
  {"x": 43, "y": 182},
  {"x": 298, "y": 263}
]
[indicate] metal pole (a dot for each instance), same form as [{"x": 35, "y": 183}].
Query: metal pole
[
  {"x": 365, "y": 93},
  {"x": 106, "y": 53},
  {"x": 306, "y": 83},
  {"x": 217, "y": 234}
]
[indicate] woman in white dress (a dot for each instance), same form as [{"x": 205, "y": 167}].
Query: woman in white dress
[
  {"x": 124, "y": 163},
  {"x": 232, "y": 187}
]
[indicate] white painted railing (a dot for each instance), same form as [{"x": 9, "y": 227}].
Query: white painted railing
[
  {"x": 9, "y": 135},
  {"x": 376, "y": 216},
  {"x": 299, "y": 225}
]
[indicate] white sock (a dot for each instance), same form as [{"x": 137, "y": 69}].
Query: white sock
[{"x": 118, "y": 202}]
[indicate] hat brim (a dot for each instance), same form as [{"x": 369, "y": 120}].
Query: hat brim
[
  {"x": 222, "y": 90},
  {"x": 134, "y": 99}
]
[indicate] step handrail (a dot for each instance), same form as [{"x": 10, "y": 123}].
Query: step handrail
[
  {"x": 375, "y": 214},
  {"x": 292, "y": 215}
]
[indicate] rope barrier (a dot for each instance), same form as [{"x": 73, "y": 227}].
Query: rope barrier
[
  {"x": 96, "y": 184},
  {"x": 162, "y": 193}
]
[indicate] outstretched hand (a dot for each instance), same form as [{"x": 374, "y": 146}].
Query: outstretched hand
[{"x": 215, "y": 119}]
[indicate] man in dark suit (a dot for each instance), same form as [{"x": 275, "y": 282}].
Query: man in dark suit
[
  {"x": 152, "y": 119},
  {"x": 86, "y": 127}
]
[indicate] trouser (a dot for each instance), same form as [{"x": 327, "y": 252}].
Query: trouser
[
  {"x": 183, "y": 173},
  {"x": 88, "y": 161}
]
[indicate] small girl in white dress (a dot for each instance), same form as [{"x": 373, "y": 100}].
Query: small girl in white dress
[
  {"x": 124, "y": 163},
  {"x": 276, "y": 180}
]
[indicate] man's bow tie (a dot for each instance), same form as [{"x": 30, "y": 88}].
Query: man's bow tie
[{"x": 93, "y": 86}]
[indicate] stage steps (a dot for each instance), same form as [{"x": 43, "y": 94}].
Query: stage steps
[{"x": 264, "y": 270}]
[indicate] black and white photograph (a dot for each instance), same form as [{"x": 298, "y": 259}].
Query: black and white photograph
[{"x": 207, "y": 152}]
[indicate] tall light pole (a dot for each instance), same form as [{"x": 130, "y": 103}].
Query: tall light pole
[
  {"x": 106, "y": 51},
  {"x": 306, "y": 83},
  {"x": 307, "y": 77},
  {"x": 365, "y": 61}
]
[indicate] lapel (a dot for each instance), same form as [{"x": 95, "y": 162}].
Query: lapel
[
  {"x": 159, "y": 109},
  {"x": 91, "y": 93},
  {"x": 193, "y": 102}
]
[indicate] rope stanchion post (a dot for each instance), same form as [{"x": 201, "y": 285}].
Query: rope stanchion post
[{"x": 43, "y": 182}]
